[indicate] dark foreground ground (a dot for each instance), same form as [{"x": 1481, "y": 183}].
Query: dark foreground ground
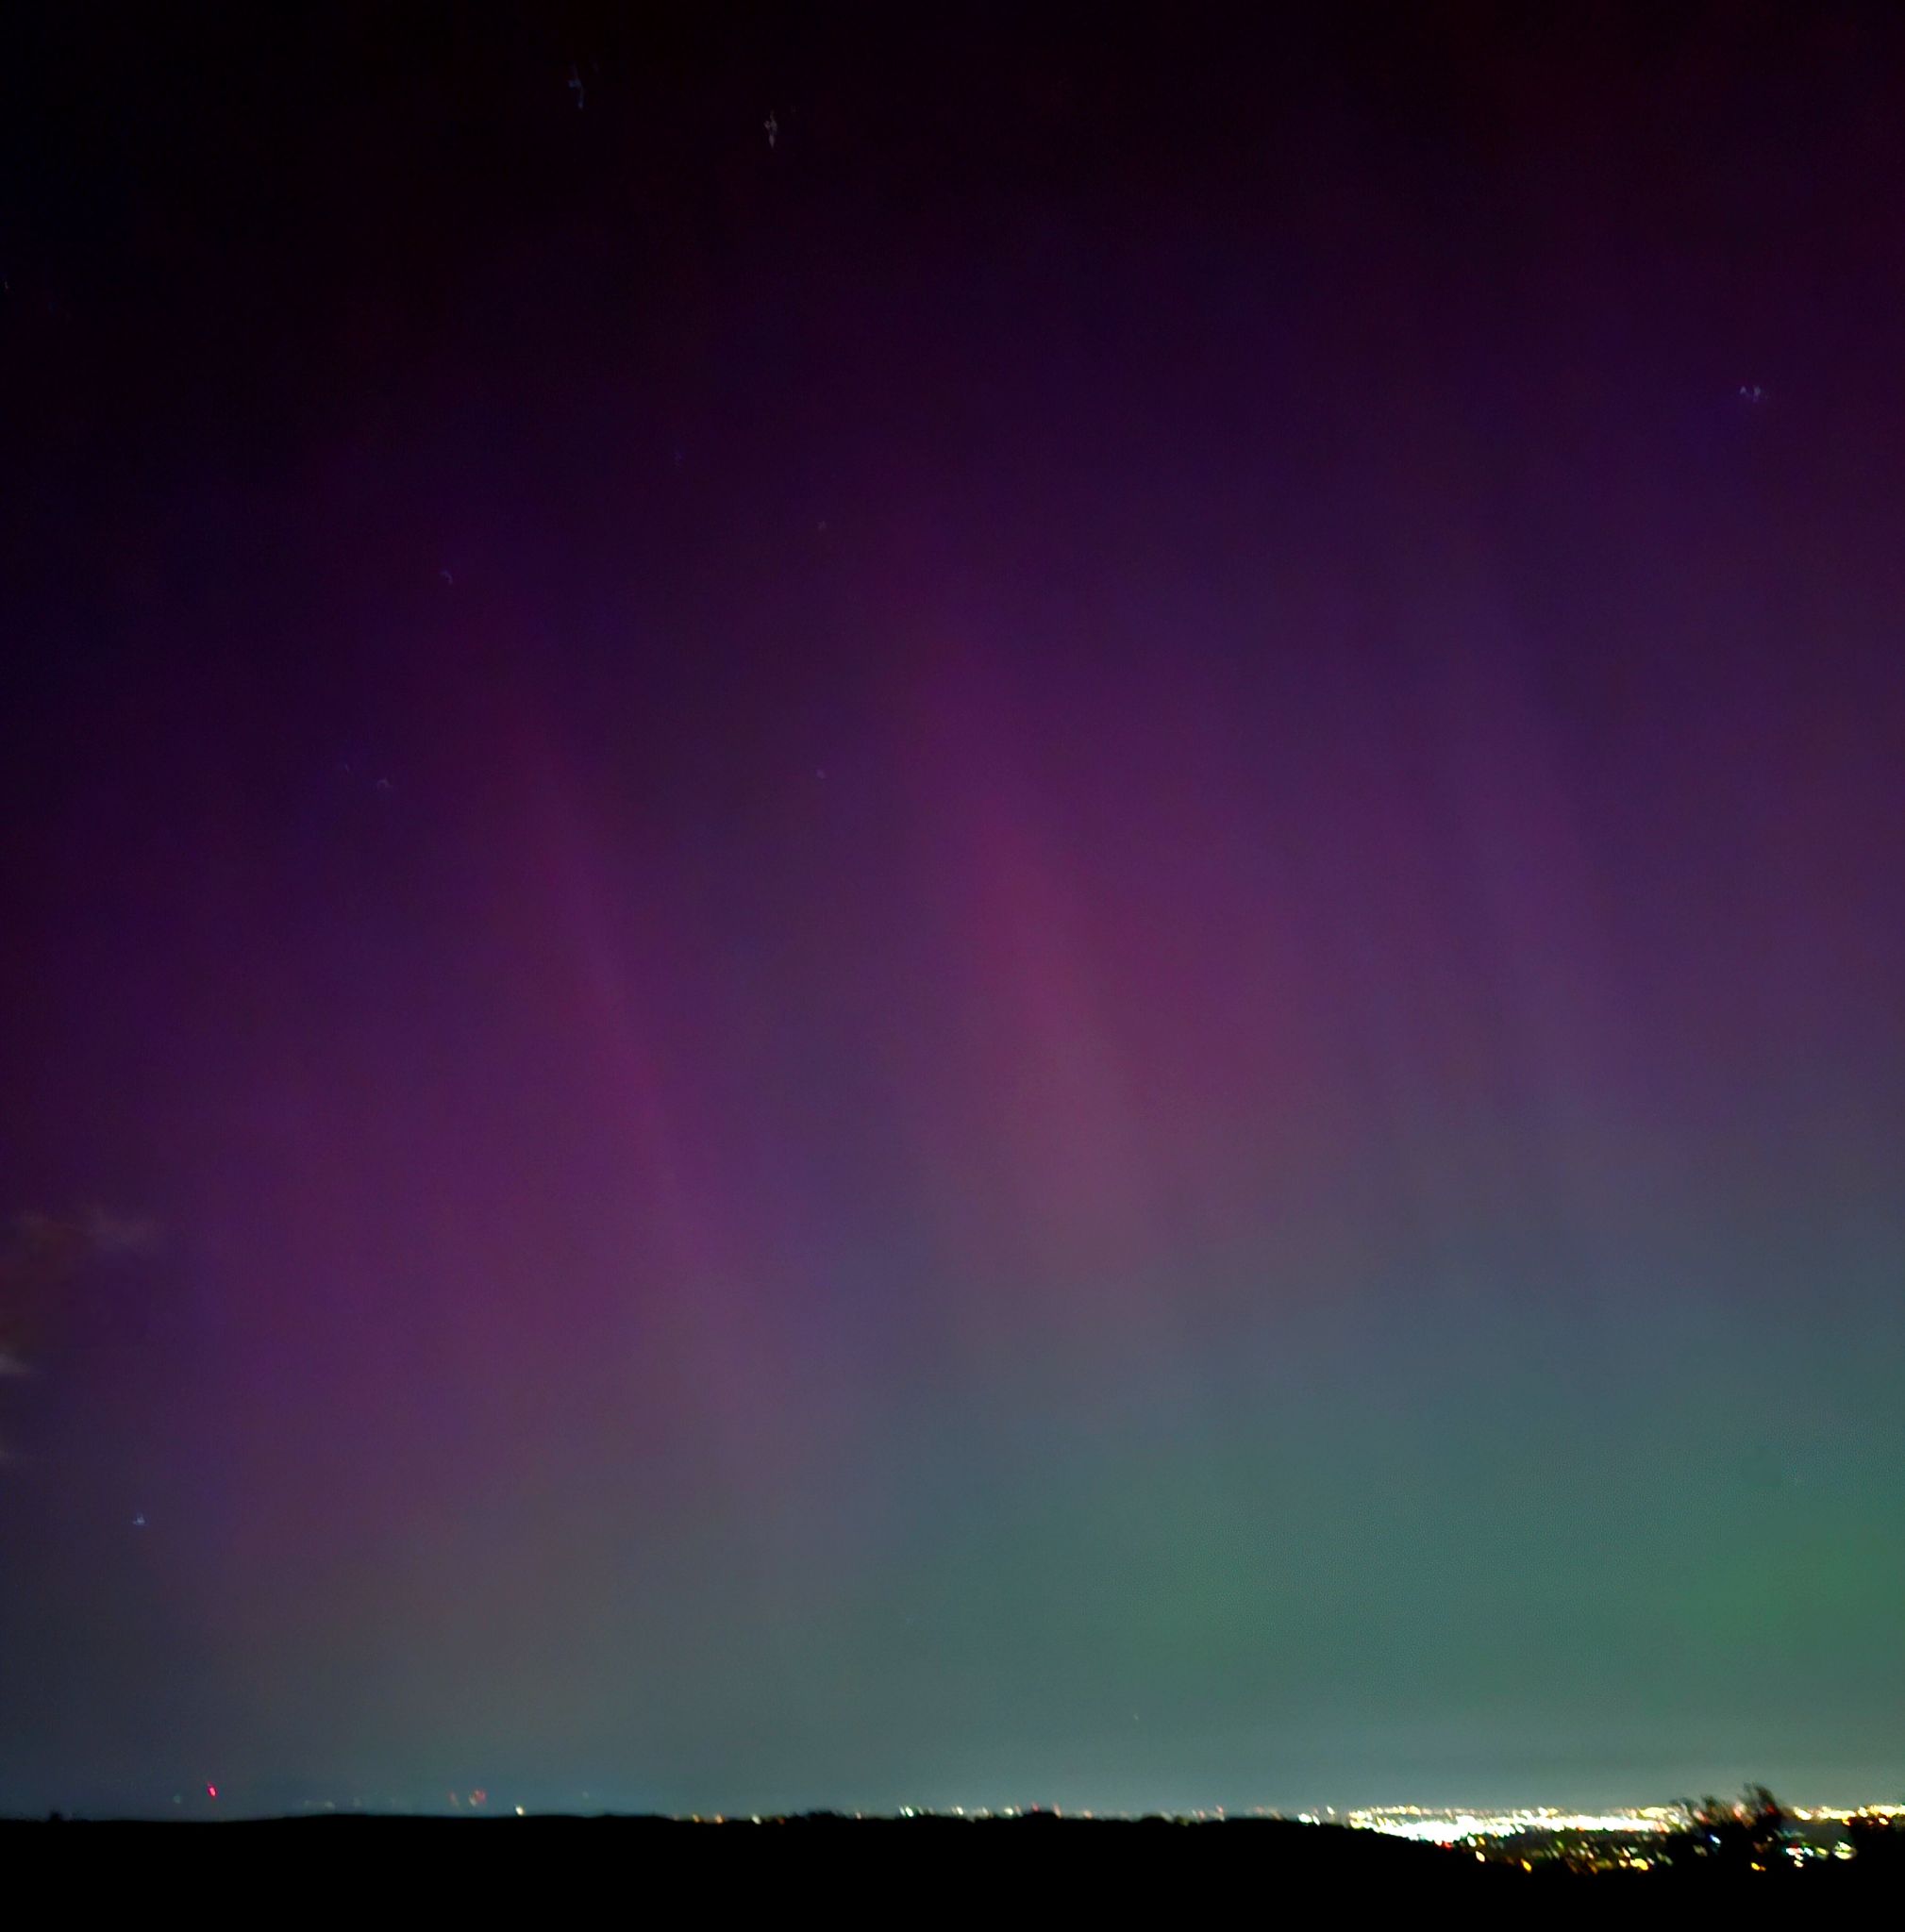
[{"x": 886, "y": 1867}]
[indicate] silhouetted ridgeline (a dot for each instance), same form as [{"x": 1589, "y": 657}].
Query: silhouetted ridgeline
[{"x": 275, "y": 1861}]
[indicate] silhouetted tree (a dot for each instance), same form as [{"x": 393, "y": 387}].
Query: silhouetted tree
[
  {"x": 1878, "y": 1843},
  {"x": 1746, "y": 1835}
]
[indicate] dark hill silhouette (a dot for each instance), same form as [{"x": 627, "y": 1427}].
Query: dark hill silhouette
[{"x": 500, "y": 1862}]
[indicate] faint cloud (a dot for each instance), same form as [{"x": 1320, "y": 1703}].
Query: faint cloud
[
  {"x": 113, "y": 1236},
  {"x": 41, "y": 1256}
]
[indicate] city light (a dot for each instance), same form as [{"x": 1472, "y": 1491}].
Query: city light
[{"x": 1463, "y": 1827}]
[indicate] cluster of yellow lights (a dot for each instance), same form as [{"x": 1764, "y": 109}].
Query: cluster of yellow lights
[
  {"x": 1445, "y": 1827},
  {"x": 1458, "y": 1828},
  {"x": 1436, "y": 1826}
]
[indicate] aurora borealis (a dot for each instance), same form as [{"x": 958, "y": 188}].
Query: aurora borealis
[{"x": 1047, "y": 949}]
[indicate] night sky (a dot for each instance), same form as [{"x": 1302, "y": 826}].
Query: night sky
[{"x": 961, "y": 910}]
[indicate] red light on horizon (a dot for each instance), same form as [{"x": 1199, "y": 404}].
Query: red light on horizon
[{"x": 211, "y": 1791}]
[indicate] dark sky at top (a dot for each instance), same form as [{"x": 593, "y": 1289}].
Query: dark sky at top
[{"x": 1047, "y": 946}]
